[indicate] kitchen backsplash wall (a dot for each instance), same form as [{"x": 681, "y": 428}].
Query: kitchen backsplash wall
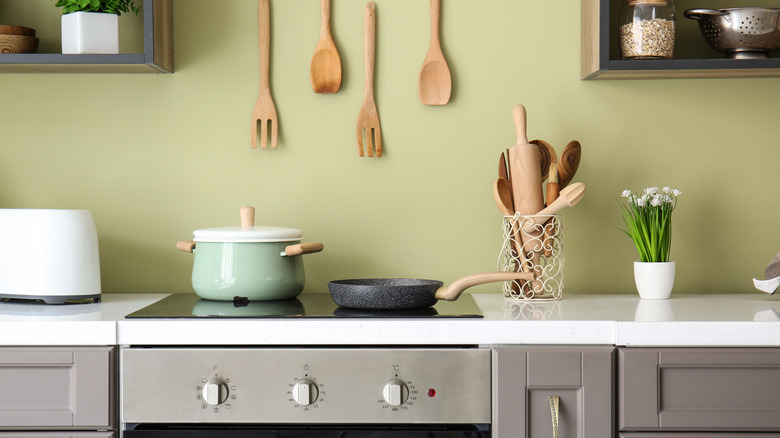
[{"x": 156, "y": 156}]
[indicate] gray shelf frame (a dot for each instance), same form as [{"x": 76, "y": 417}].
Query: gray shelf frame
[
  {"x": 157, "y": 56},
  {"x": 596, "y": 63}
]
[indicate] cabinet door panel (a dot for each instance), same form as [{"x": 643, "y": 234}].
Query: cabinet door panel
[
  {"x": 524, "y": 378},
  {"x": 700, "y": 389},
  {"x": 57, "y": 387}
]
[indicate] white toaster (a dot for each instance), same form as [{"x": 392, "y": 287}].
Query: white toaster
[{"x": 49, "y": 255}]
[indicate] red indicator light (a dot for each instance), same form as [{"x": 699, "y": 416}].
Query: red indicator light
[{"x": 431, "y": 392}]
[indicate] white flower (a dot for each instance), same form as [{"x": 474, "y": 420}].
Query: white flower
[
  {"x": 656, "y": 200},
  {"x": 641, "y": 201},
  {"x": 667, "y": 199},
  {"x": 651, "y": 190},
  {"x": 666, "y": 189},
  {"x": 626, "y": 193},
  {"x": 676, "y": 192}
]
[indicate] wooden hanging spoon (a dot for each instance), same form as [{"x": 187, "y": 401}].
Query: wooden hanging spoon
[
  {"x": 435, "y": 83},
  {"x": 326, "y": 62}
]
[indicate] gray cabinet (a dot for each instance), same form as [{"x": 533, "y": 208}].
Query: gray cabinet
[
  {"x": 698, "y": 389},
  {"x": 524, "y": 379},
  {"x": 57, "y": 388}
]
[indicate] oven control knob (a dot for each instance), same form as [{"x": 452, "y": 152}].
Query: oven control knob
[
  {"x": 215, "y": 392},
  {"x": 395, "y": 392},
  {"x": 305, "y": 392}
]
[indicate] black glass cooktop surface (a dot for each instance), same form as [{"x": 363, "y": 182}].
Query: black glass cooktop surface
[{"x": 307, "y": 305}]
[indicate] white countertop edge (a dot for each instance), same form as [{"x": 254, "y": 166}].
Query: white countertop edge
[
  {"x": 86, "y": 333},
  {"x": 698, "y": 334},
  {"x": 363, "y": 332}
]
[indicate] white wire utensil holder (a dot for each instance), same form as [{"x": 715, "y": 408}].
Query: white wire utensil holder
[
  {"x": 533, "y": 243},
  {"x": 532, "y": 310}
]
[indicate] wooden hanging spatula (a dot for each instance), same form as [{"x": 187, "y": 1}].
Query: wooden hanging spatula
[
  {"x": 435, "y": 83},
  {"x": 326, "y": 62}
]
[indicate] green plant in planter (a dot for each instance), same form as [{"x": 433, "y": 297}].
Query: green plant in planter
[
  {"x": 648, "y": 220},
  {"x": 105, "y": 6}
]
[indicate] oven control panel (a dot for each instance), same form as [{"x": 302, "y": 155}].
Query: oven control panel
[{"x": 298, "y": 385}]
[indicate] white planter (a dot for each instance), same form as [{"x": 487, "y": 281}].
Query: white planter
[
  {"x": 90, "y": 32},
  {"x": 654, "y": 280}
]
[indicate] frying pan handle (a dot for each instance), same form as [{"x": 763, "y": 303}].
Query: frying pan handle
[
  {"x": 453, "y": 291},
  {"x": 695, "y": 14},
  {"x": 302, "y": 248},
  {"x": 186, "y": 245}
]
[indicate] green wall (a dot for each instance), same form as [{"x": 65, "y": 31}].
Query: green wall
[{"x": 156, "y": 156}]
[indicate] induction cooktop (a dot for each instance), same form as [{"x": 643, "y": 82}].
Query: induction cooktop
[{"x": 307, "y": 305}]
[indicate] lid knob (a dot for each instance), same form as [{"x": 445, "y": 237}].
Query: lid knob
[{"x": 247, "y": 216}]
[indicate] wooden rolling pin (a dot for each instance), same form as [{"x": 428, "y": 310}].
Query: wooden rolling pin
[
  {"x": 526, "y": 177},
  {"x": 526, "y": 174}
]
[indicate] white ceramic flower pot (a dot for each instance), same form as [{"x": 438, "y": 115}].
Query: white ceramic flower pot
[
  {"x": 90, "y": 32},
  {"x": 654, "y": 280}
]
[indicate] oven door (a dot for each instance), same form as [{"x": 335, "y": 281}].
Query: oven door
[{"x": 300, "y": 431}]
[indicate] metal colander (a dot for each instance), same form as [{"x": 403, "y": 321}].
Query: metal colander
[{"x": 740, "y": 33}]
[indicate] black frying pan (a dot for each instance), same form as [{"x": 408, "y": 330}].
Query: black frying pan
[{"x": 408, "y": 293}]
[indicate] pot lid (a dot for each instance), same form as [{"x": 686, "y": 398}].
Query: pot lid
[{"x": 247, "y": 234}]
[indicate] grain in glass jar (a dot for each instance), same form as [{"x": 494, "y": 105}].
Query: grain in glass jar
[{"x": 647, "y": 29}]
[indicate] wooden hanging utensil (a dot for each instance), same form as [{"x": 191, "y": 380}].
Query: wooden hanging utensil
[
  {"x": 326, "y": 62},
  {"x": 435, "y": 82},
  {"x": 264, "y": 113},
  {"x": 368, "y": 118}
]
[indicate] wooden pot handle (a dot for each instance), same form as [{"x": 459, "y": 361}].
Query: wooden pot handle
[
  {"x": 303, "y": 248},
  {"x": 186, "y": 245},
  {"x": 453, "y": 291}
]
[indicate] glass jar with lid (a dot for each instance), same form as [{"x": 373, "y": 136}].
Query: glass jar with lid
[{"x": 647, "y": 29}]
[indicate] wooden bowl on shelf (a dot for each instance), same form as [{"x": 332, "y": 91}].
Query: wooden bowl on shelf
[
  {"x": 18, "y": 44},
  {"x": 6, "y": 29}
]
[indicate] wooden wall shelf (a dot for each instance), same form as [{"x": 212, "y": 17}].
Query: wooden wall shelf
[
  {"x": 157, "y": 56},
  {"x": 596, "y": 62}
]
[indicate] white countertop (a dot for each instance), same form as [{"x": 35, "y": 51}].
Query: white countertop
[
  {"x": 683, "y": 320},
  {"x": 68, "y": 324}
]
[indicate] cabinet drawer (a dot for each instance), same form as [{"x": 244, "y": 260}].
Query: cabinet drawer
[
  {"x": 525, "y": 377},
  {"x": 57, "y": 388},
  {"x": 699, "y": 389}
]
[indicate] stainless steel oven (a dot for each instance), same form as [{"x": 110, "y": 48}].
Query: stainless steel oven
[{"x": 350, "y": 392}]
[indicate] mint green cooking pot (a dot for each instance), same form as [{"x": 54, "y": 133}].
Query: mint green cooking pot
[{"x": 249, "y": 262}]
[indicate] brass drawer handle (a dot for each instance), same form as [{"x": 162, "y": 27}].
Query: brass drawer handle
[{"x": 554, "y": 401}]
